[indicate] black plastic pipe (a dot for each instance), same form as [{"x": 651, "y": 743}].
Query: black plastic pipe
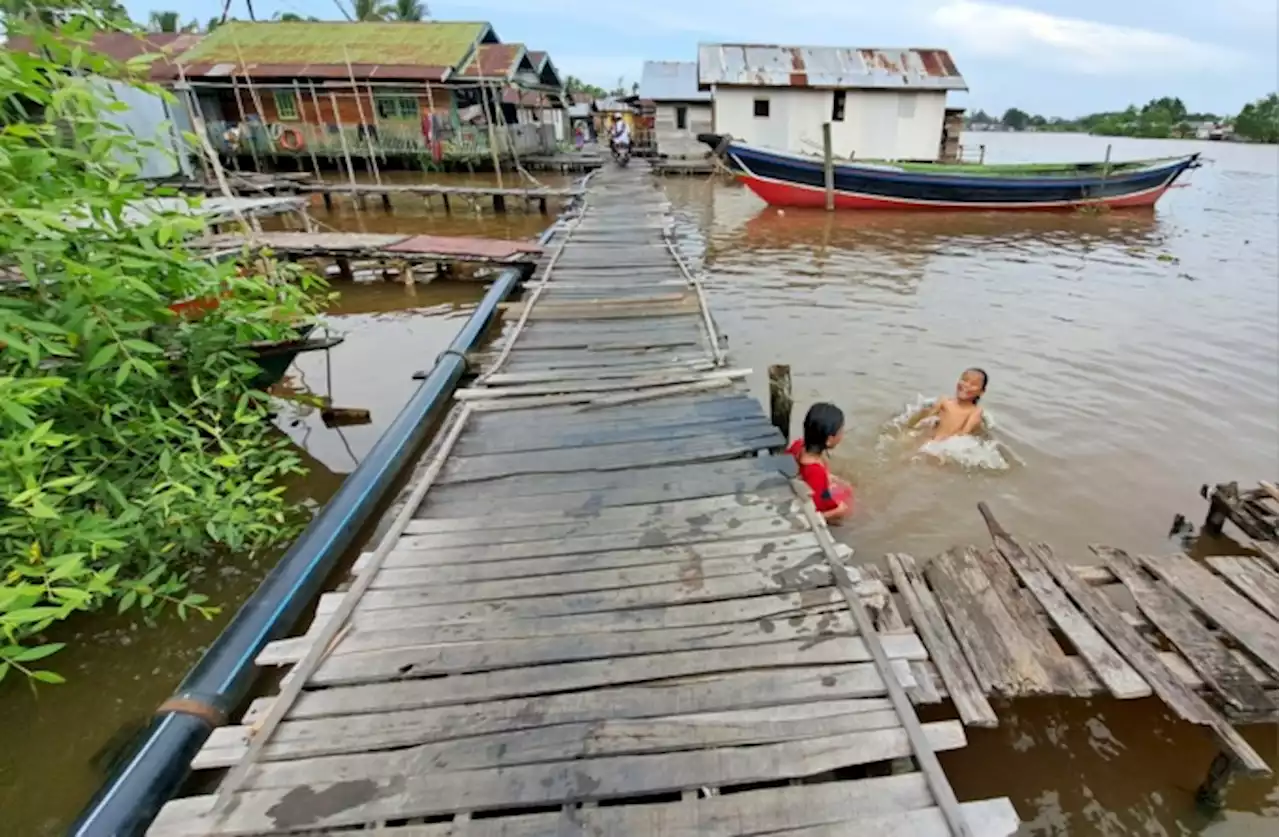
[{"x": 158, "y": 764}]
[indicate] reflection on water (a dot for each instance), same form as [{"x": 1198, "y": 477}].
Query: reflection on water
[{"x": 1133, "y": 356}]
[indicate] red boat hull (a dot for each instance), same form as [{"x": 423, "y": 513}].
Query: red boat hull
[{"x": 778, "y": 193}]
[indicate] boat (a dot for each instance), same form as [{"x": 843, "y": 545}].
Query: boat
[
  {"x": 274, "y": 357},
  {"x": 784, "y": 178}
]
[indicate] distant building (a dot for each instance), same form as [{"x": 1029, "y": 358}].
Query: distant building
[
  {"x": 881, "y": 103},
  {"x": 681, "y": 110},
  {"x": 329, "y": 88}
]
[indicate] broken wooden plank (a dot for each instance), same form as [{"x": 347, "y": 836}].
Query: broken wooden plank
[
  {"x": 1120, "y": 679},
  {"x": 965, "y": 691},
  {"x": 1207, "y": 656},
  {"x": 1255, "y": 630},
  {"x": 1256, "y": 581}
]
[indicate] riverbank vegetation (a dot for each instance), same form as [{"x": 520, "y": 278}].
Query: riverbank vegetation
[
  {"x": 1164, "y": 118},
  {"x": 132, "y": 445}
]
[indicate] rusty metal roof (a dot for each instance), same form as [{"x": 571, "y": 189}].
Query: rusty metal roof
[
  {"x": 764, "y": 65},
  {"x": 122, "y": 46},
  {"x": 496, "y": 61}
]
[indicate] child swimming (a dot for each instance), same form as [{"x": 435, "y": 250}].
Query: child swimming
[
  {"x": 823, "y": 430},
  {"x": 959, "y": 416}
]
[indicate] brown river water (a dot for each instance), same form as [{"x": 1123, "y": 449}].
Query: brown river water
[{"x": 1132, "y": 358}]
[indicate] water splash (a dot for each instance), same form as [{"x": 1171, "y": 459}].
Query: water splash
[{"x": 978, "y": 452}]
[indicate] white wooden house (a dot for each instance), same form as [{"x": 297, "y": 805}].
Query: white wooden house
[
  {"x": 882, "y": 103},
  {"x": 681, "y": 110}
]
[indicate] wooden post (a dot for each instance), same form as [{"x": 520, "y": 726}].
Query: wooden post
[
  {"x": 1211, "y": 796},
  {"x": 982, "y": 154},
  {"x": 780, "y": 400},
  {"x": 499, "y": 203},
  {"x": 302, "y": 114},
  {"x": 344, "y": 269},
  {"x": 493, "y": 136},
  {"x": 342, "y": 137},
  {"x": 828, "y": 167},
  {"x": 253, "y": 91},
  {"x": 328, "y": 201},
  {"x": 315, "y": 102},
  {"x": 364, "y": 128}
]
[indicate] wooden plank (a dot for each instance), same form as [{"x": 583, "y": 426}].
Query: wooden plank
[
  {"x": 638, "y": 521},
  {"x": 534, "y": 680},
  {"x": 990, "y": 637},
  {"x": 585, "y": 384},
  {"x": 316, "y": 732},
  {"x": 426, "y": 660},
  {"x": 1067, "y": 679},
  {"x": 1259, "y": 583},
  {"x": 962, "y": 685},
  {"x": 1257, "y": 632},
  {"x": 758, "y": 547},
  {"x": 1185, "y": 703},
  {"x": 648, "y": 537},
  {"x": 555, "y": 437},
  {"x": 1120, "y": 679},
  {"x": 427, "y": 794},
  {"x": 1208, "y": 657},
  {"x": 692, "y": 573},
  {"x": 378, "y": 630},
  {"x": 748, "y": 814},
  {"x": 720, "y": 588},
  {"x": 656, "y": 511},
  {"x": 562, "y": 742}
]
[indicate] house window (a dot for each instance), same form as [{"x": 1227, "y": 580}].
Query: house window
[
  {"x": 761, "y": 108},
  {"x": 396, "y": 107},
  {"x": 286, "y": 104},
  {"x": 682, "y": 118},
  {"x": 837, "y": 106}
]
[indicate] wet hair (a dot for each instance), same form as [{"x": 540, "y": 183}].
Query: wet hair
[
  {"x": 821, "y": 423},
  {"x": 981, "y": 372}
]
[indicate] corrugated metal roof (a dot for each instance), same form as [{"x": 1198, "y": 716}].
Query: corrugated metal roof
[
  {"x": 762, "y": 65},
  {"x": 299, "y": 44},
  {"x": 121, "y": 46},
  {"x": 496, "y": 61},
  {"x": 671, "y": 81}
]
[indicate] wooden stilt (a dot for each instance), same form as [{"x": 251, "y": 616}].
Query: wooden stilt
[
  {"x": 344, "y": 270},
  {"x": 828, "y": 167},
  {"x": 1211, "y": 796},
  {"x": 386, "y": 201},
  {"x": 364, "y": 126},
  {"x": 499, "y": 203},
  {"x": 311, "y": 151},
  {"x": 328, "y": 201},
  {"x": 780, "y": 402},
  {"x": 244, "y": 120}
]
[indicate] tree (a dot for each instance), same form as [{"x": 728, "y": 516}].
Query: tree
[
  {"x": 164, "y": 22},
  {"x": 573, "y": 84},
  {"x": 91, "y": 13},
  {"x": 1260, "y": 121},
  {"x": 981, "y": 117},
  {"x": 410, "y": 10},
  {"x": 133, "y": 447},
  {"x": 370, "y": 10},
  {"x": 1015, "y": 120},
  {"x": 293, "y": 17}
]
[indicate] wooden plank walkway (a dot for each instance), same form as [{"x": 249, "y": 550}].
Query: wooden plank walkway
[
  {"x": 601, "y": 609},
  {"x": 399, "y": 248}
]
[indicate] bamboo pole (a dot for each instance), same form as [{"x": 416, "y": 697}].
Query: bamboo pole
[
  {"x": 253, "y": 93},
  {"x": 373, "y": 107},
  {"x": 342, "y": 138},
  {"x": 431, "y": 109},
  {"x": 493, "y": 141},
  {"x": 364, "y": 129},
  {"x": 193, "y": 110},
  {"x": 315, "y": 100},
  {"x": 311, "y": 152},
  {"x": 828, "y": 167},
  {"x": 253, "y": 152}
]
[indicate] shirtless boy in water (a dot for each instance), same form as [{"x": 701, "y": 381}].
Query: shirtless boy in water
[{"x": 959, "y": 416}]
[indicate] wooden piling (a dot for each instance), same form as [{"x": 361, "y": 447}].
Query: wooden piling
[
  {"x": 386, "y": 201},
  {"x": 828, "y": 167},
  {"x": 780, "y": 401},
  {"x": 364, "y": 128},
  {"x": 499, "y": 203},
  {"x": 490, "y": 116},
  {"x": 311, "y": 151},
  {"x": 1211, "y": 796},
  {"x": 328, "y": 201},
  {"x": 342, "y": 138},
  {"x": 344, "y": 270}
]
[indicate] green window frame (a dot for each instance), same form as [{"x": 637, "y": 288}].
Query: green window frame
[
  {"x": 396, "y": 107},
  {"x": 286, "y": 105}
]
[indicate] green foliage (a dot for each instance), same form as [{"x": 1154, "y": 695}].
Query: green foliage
[
  {"x": 409, "y": 10},
  {"x": 1016, "y": 120},
  {"x": 131, "y": 443},
  {"x": 1260, "y": 121},
  {"x": 573, "y": 84},
  {"x": 106, "y": 14}
]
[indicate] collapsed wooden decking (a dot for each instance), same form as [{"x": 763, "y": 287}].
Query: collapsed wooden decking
[
  {"x": 406, "y": 255},
  {"x": 599, "y": 610}
]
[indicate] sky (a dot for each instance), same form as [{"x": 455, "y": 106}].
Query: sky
[{"x": 1053, "y": 57}]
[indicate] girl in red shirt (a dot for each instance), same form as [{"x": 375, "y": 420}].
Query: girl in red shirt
[{"x": 823, "y": 430}]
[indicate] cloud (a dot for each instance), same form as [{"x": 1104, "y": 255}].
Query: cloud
[{"x": 1084, "y": 46}]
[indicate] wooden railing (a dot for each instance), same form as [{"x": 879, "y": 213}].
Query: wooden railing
[{"x": 301, "y": 139}]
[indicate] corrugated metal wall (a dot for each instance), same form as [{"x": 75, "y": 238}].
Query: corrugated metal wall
[{"x": 150, "y": 117}]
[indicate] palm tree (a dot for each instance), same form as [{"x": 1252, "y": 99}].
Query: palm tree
[
  {"x": 410, "y": 10},
  {"x": 164, "y": 22},
  {"x": 370, "y": 10}
]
